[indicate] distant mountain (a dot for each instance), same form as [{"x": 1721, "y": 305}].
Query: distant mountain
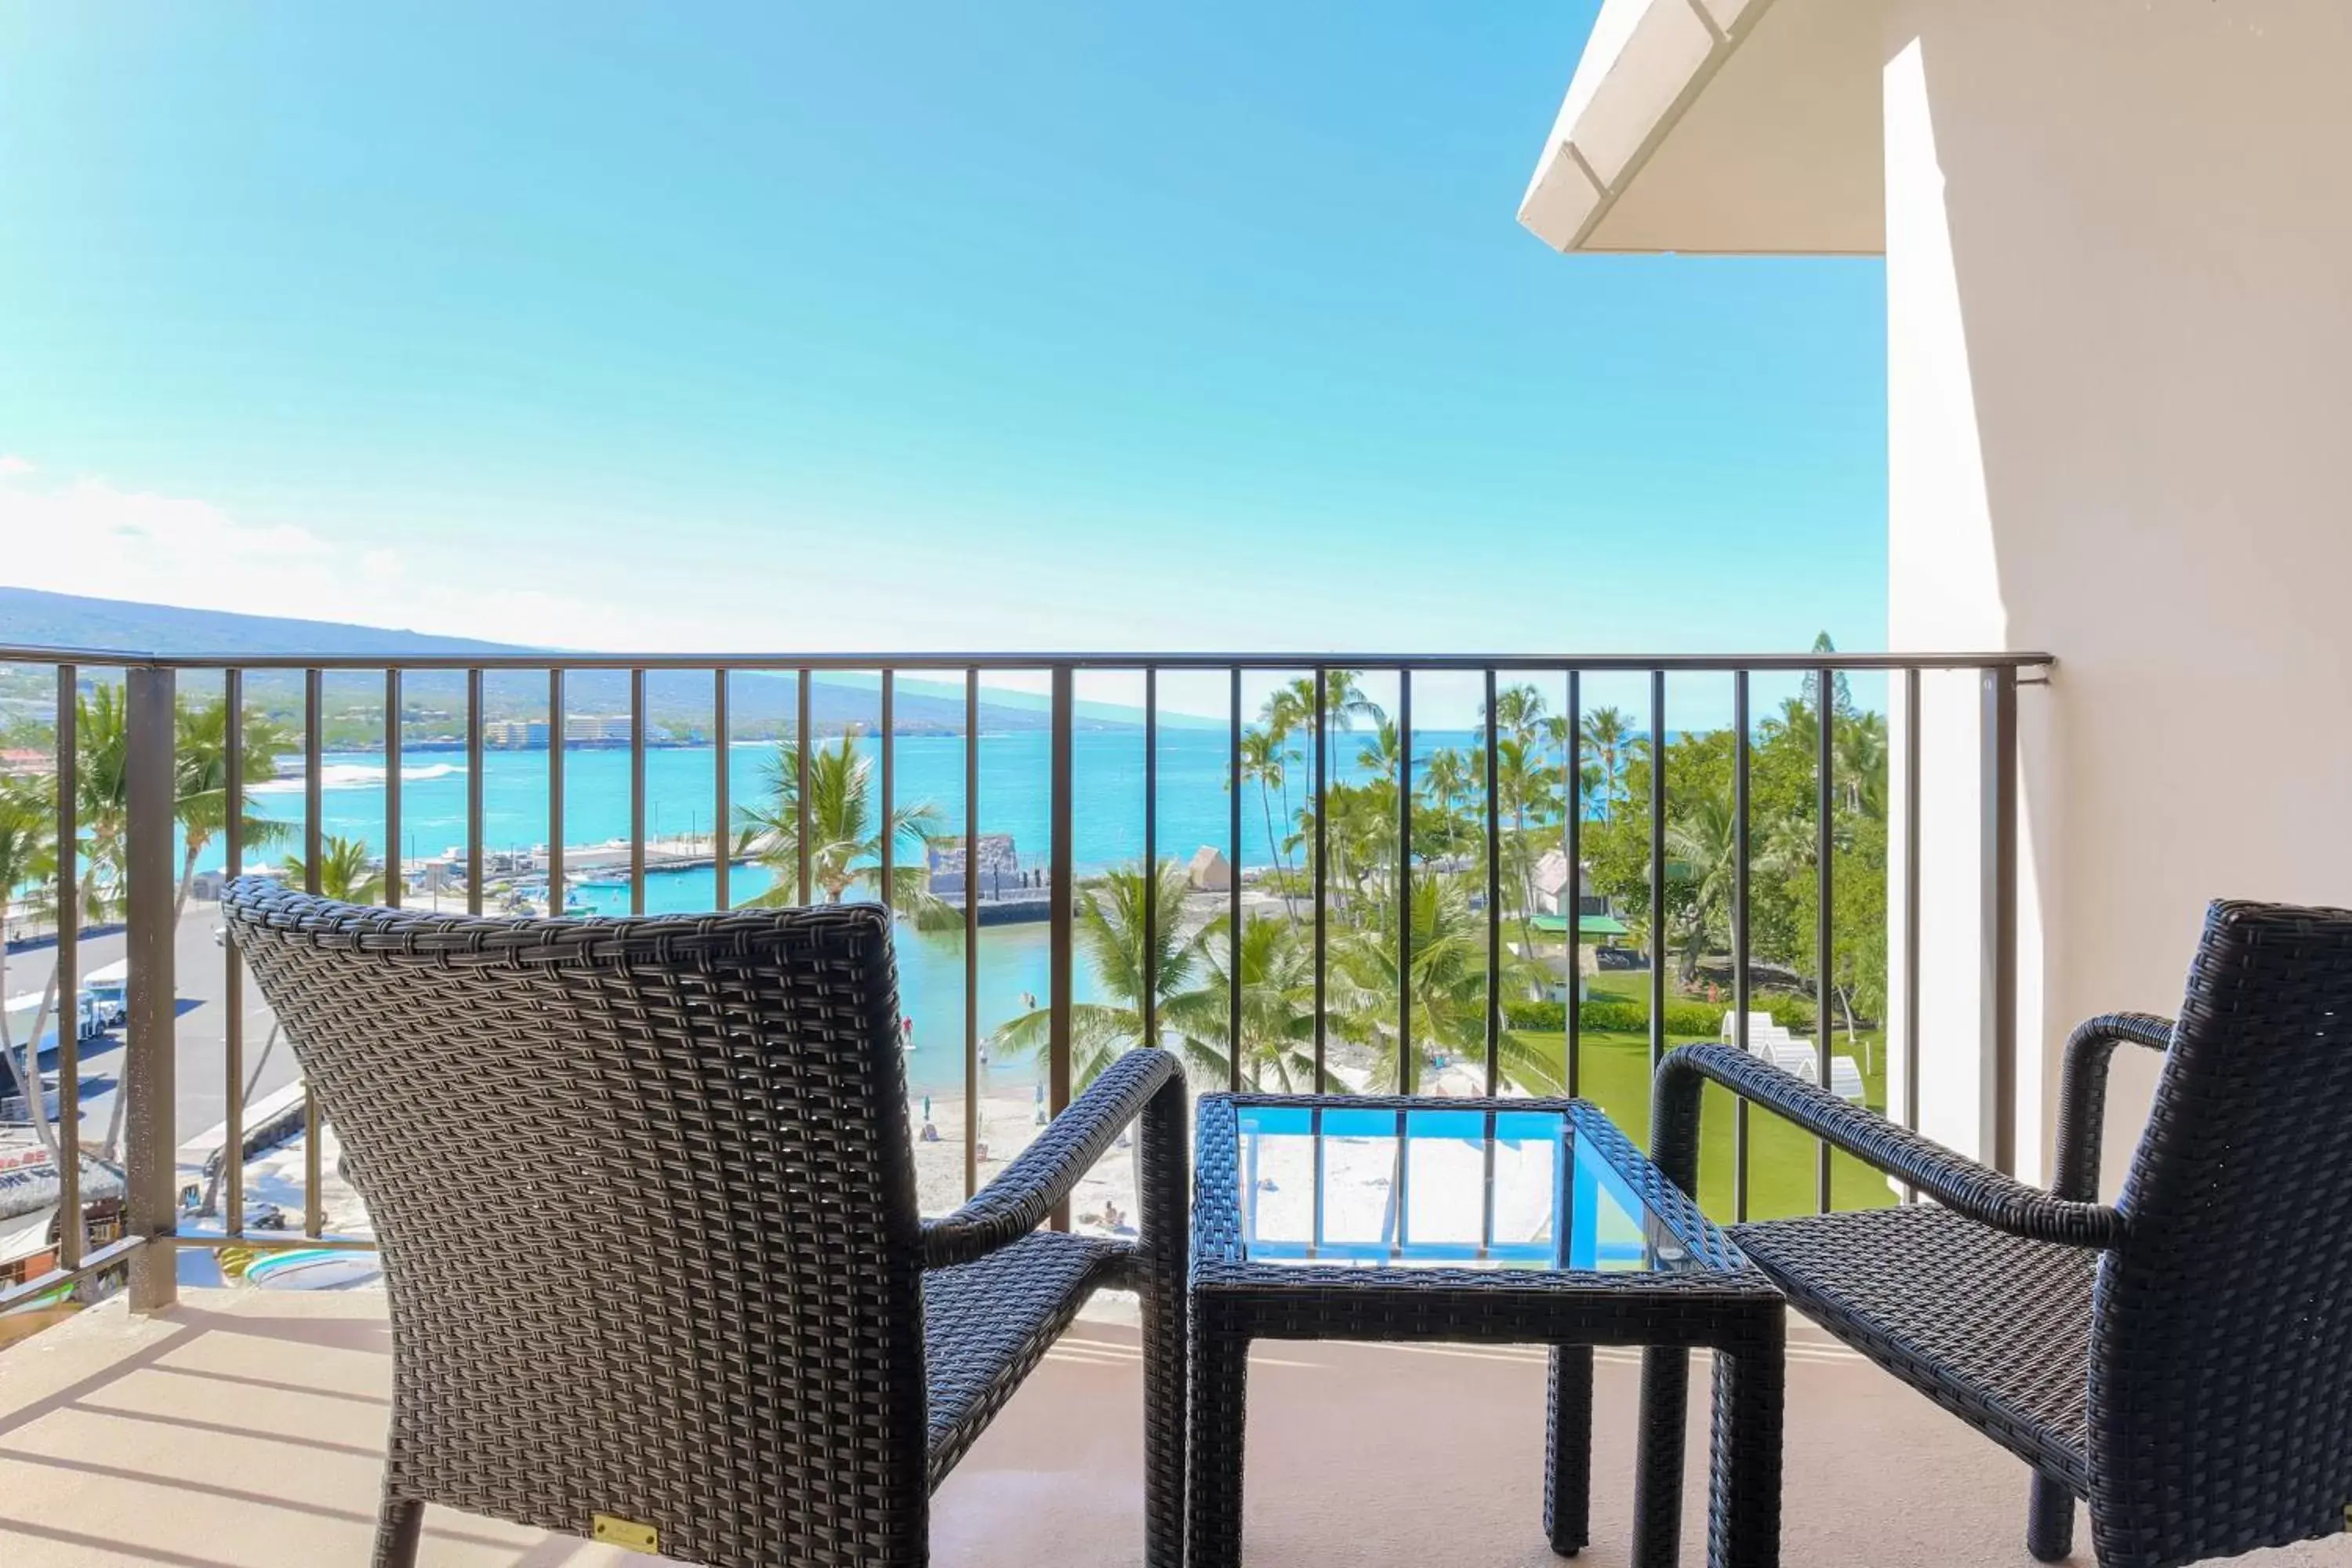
[
  {"x": 30, "y": 617},
  {"x": 758, "y": 701}
]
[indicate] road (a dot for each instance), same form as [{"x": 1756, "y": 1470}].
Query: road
[{"x": 201, "y": 1095}]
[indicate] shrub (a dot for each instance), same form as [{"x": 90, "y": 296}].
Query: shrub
[{"x": 1684, "y": 1017}]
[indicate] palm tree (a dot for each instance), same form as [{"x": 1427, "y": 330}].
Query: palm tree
[
  {"x": 1109, "y": 932},
  {"x": 102, "y": 810},
  {"x": 1518, "y": 712},
  {"x": 1278, "y": 983},
  {"x": 1704, "y": 842},
  {"x": 1262, "y": 759},
  {"x": 844, "y": 838},
  {"x": 1291, "y": 710},
  {"x": 344, "y": 873},
  {"x": 1449, "y": 989},
  {"x": 1860, "y": 743},
  {"x": 201, "y": 783},
  {"x": 1607, "y": 730},
  {"x": 1526, "y": 790},
  {"x": 28, "y": 861}
]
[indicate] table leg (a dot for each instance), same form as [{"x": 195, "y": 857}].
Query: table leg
[
  {"x": 1213, "y": 1530},
  {"x": 1744, "y": 1507},
  {"x": 1658, "y": 1457},
  {"x": 1567, "y": 1450}
]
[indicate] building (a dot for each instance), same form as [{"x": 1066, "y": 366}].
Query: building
[
  {"x": 1208, "y": 871},
  {"x": 1551, "y": 887},
  {"x": 2119, "y": 344},
  {"x": 28, "y": 1222},
  {"x": 1000, "y": 874},
  {"x": 514, "y": 734}
]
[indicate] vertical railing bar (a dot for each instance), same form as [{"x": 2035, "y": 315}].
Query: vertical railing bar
[
  {"x": 474, "y": 783},
  {"x": 1322, "y": 879},
  {"x": 1062, "y": 905},
  {"x": 1999, "y": 851},
  {"x": 1151, "y": 854},
  {"x": 1405, "y": 1064},
  {"x": 722, "y": 796},
  {"x": 805, "y": 739},
  {"x": 1493, "y": 926},
  {"x": 232, "y": 980},
  {"x": 395, "y": 869},
  {"x": 1233, "y": 895},
  {"x": 1575, "y": 851},
  {"x": 1657, "y": 867},
  {"x": 889, "y": 748},
  {"x": 150, "y": 1053},
  {"x": 1824, "y": 915},
  {"x": 971, "y": 931},
  {"x": 1740, "y": 979},
  {"x": 555, "y": 781},
  {"x": 1911, "y": 1011},
  {"x": 637, "y": 715},
  {"x": 314, "y": 705},
  {"x": 73, "y": 1228}
]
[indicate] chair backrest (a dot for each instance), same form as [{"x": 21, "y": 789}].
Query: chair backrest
[
  {"x": 2220, "y": 1385},
  {"x": 648, "y": 1210}
]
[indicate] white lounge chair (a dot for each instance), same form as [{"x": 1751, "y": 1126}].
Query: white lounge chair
[{"x": 1845, "y": 1078}]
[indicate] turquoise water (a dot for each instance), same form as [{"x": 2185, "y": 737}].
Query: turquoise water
[{"x": 1107, "y": 819}]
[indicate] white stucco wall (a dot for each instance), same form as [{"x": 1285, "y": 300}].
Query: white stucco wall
[{"x": 2119, "y": 293}]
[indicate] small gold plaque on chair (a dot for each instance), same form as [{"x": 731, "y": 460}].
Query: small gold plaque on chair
[{"x": 625, "y": 1534}]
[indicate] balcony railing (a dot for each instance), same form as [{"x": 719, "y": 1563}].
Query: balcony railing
[{"x": 131, "y": 861}]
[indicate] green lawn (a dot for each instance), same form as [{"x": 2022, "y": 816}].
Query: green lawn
[{"x": 1614, "y": 1073}]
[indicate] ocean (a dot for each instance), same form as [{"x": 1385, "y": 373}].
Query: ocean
[{"x": 1011, "y": 961}]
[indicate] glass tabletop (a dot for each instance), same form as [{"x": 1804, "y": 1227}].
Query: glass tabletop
[{"x": 1393, "y": 1188}]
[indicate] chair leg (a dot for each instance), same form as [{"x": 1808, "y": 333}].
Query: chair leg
[
  {"x": 2050, "y": 1520},
  {"x": 1567, "y": 1450},
  {"x": 397, "y": 1529}
]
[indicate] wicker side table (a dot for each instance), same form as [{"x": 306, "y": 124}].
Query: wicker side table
[{"x": 1523, "y": 1221}]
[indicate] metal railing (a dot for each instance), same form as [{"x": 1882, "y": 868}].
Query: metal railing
[{"x": 151, "y": 687}]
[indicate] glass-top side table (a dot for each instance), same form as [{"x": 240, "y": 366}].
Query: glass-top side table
[{"x": 1513, "y": 1221}]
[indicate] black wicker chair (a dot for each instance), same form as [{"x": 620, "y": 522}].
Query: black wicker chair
[
  {"x": 646, "y": 1203},
  {"x": 2181, "y": 1359}
]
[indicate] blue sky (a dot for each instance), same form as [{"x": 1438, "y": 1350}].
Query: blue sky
[{"x": 921, "y": 326}]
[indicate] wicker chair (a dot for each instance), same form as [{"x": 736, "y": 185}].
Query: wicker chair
[
  {"x": 2181, "y": 1359},
  {"x": 646, "y": 1204}
]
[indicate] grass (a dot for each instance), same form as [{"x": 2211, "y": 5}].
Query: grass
[{"x": 1614, "y": 1074}]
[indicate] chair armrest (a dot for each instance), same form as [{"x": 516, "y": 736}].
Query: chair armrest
[
  {"x": 2083, "y": 1093},
  {"x": 1957, "y": 1181},
  {"x": 1043, "y": 1174}
]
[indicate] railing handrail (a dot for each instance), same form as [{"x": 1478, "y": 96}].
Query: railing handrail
[
  {"x": 145, "y": 839},
  {"x": 1292, "y": 659}
]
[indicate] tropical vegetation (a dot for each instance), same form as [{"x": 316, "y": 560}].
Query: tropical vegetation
[{"x": 1439, "y": 897}]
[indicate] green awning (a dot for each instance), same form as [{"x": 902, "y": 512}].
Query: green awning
[{"x": 1586, "y": 925}]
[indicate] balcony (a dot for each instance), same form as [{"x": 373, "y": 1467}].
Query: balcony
[
  {"x": 208, "y": 1415},
  {"x": 246, "y": 1427}
]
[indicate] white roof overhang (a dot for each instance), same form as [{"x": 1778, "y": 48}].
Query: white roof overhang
[{"x": 1722, "y": 127}]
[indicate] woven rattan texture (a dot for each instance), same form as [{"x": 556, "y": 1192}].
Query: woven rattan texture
[
  {"x": 2187, "y": 1366},
  {"x": 1725, "y": 1304},
  {"x": 1995, "y": 1329},
  {"x": 646, "y": 1201}
]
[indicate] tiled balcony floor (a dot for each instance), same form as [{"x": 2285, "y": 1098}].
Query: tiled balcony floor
[{"x": 246, "y": 1429}]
